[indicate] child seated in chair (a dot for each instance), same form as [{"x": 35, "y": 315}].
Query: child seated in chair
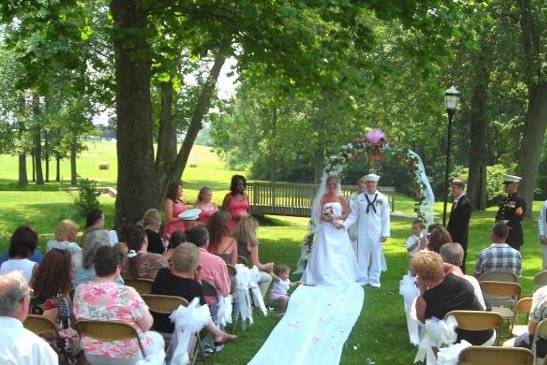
[{"x": 279, "y": 294}]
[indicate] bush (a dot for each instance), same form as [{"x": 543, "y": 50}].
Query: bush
[{"x": 87, "y": 199}]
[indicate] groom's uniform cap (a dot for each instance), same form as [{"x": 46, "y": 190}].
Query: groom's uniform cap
[
  {"x": 372, "y": 177},
  {"x": 510, "y": 179}
]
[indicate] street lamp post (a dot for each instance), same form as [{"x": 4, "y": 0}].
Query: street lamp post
[{"x": 451, "y": 101}]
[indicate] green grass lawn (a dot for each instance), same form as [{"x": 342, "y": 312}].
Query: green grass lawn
[{"x": 380, "y": 332}]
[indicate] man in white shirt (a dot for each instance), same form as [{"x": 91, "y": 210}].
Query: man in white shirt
[
  {"x": 371, "y": 212},
  {"x": 542, "y": 226},
  {"x": 19, "y": 346}
]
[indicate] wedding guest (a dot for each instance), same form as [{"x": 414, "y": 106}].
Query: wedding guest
[
  {"x": 106, "y": 300},
  {"x": 440, "y": 294},
  {"x": 65, "y": 237},
  {"x": 212, "y": 268},
  {"x": 208, "y": 208},
  {"x": 236, "y": 202},
  {"x": 458, "y": 223},
  {"x": 438, "y": 237},
  {"x": 248, "y": 247},
  {"x": 19, "y": 345},
  {"x": 279, "y": 294},
  {"x": 22, "y": 244},
  {"x": 139, "y": 263},
  {"x": 221, "y": 242},
  {"x": 499, "y": 256},
  {"x": 90, "y": 244},
  {"x": 182, "y": 280},
  {"x": 94, "y": 220},
  {"x": 151, "y": 222},
  {"x": 176, "y": 239},
  {"x": 452, "y": 254},
  {"x": 538, "y": 312},
  {"x": 172, "y": 207},
  {"x": 52, "y": 283}
]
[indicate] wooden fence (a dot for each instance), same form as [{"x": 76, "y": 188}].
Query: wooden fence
[{"x": 294, "y": 199}]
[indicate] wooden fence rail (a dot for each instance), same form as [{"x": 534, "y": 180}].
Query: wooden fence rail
[{"x": 294, "y": 199}]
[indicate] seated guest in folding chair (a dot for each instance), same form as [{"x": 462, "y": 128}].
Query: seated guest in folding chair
[
  {"x": 106, "y": 300},
  {"x": 139, "y": 263},
  {"x": 212, "y": 267},
  {"x": 183, "y": 280},
  {"x": 452, "y": 254},
  {"x": 20, "y": 346},
  {"x": 538, "y": 313},
  {"x": 499, "y": 256},
  {"x": 440, "y": 294}
]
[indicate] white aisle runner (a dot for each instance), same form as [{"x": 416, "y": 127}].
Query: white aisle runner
[{"x": 314, "y": 328}]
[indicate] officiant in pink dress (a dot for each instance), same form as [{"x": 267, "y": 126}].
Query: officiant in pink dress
[{"x": 172, "y": 207}]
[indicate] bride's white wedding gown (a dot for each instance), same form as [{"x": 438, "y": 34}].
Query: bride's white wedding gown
[
  {"x": 332, "y": 260},
  {"x": 322, "y": 313}
]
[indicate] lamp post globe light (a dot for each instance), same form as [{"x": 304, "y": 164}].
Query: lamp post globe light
[{"x": 451, "y": 102}]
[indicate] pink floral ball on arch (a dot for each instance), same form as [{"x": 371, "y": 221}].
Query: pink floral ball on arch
[{"x": 376, "y": 137}]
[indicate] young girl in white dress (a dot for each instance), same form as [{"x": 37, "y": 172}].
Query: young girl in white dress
[{"x": 332, "y": 260}]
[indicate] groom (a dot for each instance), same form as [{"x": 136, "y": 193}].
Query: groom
[{"x": 371, "y": 212}]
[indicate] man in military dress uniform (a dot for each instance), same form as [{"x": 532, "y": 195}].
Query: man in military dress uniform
[{"x": 512, "y": 210}]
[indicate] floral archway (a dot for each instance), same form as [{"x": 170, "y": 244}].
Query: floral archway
[{"x": 373, "y": 147}]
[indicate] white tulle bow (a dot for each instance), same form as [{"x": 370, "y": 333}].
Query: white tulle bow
[
  {"x": 436, "y": 333},
  {"x": 409, "y": 292},
  {"x": 224, "y": 312},
  {"x": 188, "y": 321},
  {"x": 246, "y": 282},
  {"x": 450, "y": 355},
  {"x": 258, "y": 301}
]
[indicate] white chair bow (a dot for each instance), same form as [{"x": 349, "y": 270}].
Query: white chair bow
[
  {"x": 436, "y": 333},
  {"x": 254, "y": 276},
  {"x": 224, "y": 312},
  {"x": 188, "y": 321},
  {"x": 242, "y": 298}
]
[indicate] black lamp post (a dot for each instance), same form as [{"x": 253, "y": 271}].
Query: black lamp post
[{"x": 451, "y": 101}]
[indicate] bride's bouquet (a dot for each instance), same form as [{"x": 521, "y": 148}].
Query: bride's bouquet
[{"x": 328, "y": 213}]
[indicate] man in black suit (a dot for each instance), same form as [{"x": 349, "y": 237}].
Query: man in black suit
[{"x": 458, "y": 224}]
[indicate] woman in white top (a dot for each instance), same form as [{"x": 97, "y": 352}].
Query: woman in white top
[
  {"x": 23, "y": 243},
  {"x": 65, "y": 236}
]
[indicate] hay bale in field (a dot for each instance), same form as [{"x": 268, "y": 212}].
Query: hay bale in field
[
  {"x": 103, "y": 165},
  {"x": 193, "y": 165}
]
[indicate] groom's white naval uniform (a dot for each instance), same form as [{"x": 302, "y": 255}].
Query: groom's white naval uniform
[{"x": 371, "y": 212}]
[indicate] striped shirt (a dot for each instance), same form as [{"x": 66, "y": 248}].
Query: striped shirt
[{"x": 499, "y": 257}]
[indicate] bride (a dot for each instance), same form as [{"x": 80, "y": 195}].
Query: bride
[{"x": 332, "y": 260}]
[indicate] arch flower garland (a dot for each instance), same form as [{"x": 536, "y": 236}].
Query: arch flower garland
[{"x": 372, "y": 148}]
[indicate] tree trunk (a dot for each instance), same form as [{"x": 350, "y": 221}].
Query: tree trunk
[
  {"x": 137, "y": 185},
  {"x": 202, "y": 106},
  {"x": 478, "y": 134},
  {"x": 46, "y": 155},
  {"x": 274, "y": 168},
  {"x": 167, "y": 141},
  {"x": 37, "y": 141},
  {"x": 23, "y": 179},
  {"x": 32, "y": 159},
  {"x": 73, "y": 156},
  {"x": 536, "y": 112},
  {"x": 57, "y": 167}
]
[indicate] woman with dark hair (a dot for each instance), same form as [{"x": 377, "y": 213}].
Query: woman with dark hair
[
  {"x": 139, "y": 263},
  {"x": 52, "y": 283},
  {"x": 221, "y": 242},
  {"x": 176, "y": 239},
  {"x": 106, "y": 300},
  {"x": 94, "y": 219},
  {"x": 438, "y": 237},
  {"x": 172, "y": 207},
  {"x": 23, "y": 243},
  {"x": 236, "y": 202}
]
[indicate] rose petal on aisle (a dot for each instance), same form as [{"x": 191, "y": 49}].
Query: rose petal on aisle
[{"x": 315, "y": 326}]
